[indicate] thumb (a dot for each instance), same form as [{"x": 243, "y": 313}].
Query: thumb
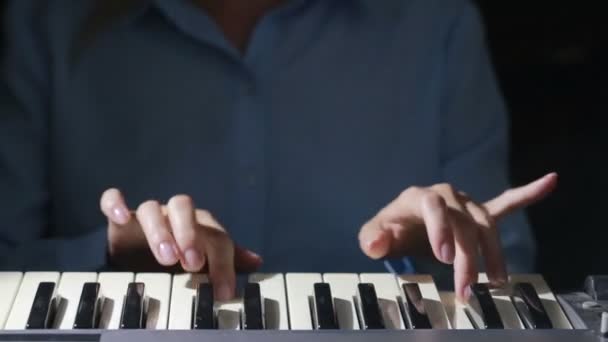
[
  {"x": 246, "y": 261},
  {"x": 374, "y": 241},
  {"x": 517, "y": 198},
  {"x": 113, "y": 206}
]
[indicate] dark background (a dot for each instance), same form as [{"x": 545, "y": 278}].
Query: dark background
[{"x": 551, "y": 60}]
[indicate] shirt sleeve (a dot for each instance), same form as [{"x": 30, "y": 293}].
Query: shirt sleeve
[
  {"x": 474, "y": 135},
  {"x": 25, "y": 196}
]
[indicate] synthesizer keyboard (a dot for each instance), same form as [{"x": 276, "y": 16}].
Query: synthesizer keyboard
[{"x": 117, "y": 307}]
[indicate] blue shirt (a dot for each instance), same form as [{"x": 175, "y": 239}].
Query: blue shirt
[{"x": 335, "y": 108}]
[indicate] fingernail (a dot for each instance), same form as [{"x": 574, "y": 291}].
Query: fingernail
[
  {"x": 167, "y": 253},
  {"x": 193, "y": 259},
  {"x": 372, "y": 244},
  {"x": 254, "y": 254},
  {"x": 224, "y": 292},
  {"x": 120, "y": 214},
  {"x": 500, "y": 281},
  {"x": 467, "y": 292},
  {"x": 447, "y": 253}
]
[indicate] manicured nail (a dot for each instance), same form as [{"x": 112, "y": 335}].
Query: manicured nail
[
  {"x": 120, "y": 215},
  {"x": 167, "y": 253},
  {"x": 224, "y": 292},
  {"x": 447, "y": 253},
  {"x": 193, "y": 259}
]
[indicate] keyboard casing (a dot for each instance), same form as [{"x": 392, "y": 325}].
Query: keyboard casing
[{"x": 302, "y": 336}]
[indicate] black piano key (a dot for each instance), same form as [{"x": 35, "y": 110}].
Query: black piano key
[
  {"x": 133, "y": 307},
  {"x": 203, "y": 308},
  {"x": 254, "y": 319},
  {"x": 418, "y": 318},
  {"x": 482, "y": 298},
  {"x": 88, "y": 311},
  {"x": 324, "y": 307},
  {"x": 530, "y": 307},
  {"x": 43, "y": 307},
  {"x": 369, "y": 307}
]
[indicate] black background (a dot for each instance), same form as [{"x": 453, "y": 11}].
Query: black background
[{"x": 551, "y": 61}]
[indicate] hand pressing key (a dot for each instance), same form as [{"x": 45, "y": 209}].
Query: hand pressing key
[
  {"x": 158, "y": 235},
  {"x": 452, "y": 225}
]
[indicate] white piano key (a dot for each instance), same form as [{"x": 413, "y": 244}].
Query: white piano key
[
  {"x": 300, "y": 294},
  {"x": 22, "y": 305},
  {"x": 113, "y": 288},
  {"x": 554, "y": 311},
  {"x": 462, "y": 316},
  {"x": 69, "y": 290},
  {"x": 229, "y": 314},
  {"x": 9, "y": 284},
  {"x": 432, "y": 301},
  {"x": 505, "y": 307},
  {"x": 158, "y": 292},
  {"x": 455, "y": 311},
  {"x": 183, "y": 292},
  {"x": 272, "y": 289},
  {"x": 388, "y": 292},
  {"x": 344, "y": 290}
]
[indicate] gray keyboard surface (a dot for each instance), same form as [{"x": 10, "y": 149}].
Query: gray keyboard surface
[{"x": 306, "y": 336}]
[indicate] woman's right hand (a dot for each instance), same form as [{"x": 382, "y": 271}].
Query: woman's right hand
[{"x": 175, "y": 234}]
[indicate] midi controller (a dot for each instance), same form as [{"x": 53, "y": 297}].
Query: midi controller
[{"x": 292, "y": 307}]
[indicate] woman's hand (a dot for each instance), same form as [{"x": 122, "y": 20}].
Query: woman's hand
[
  {"x": 174, "y": 234},
  {"x": 456, "y": 228}
]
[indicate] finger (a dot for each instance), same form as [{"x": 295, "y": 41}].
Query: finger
[
  {"x": 113, "y": 206},
  {"x": 435, "y": 213},
  {"x": 220, "y": 256},
  {"x": 405, "y": 207},
  {"x": 157, "y": 233},
  {"x": 245, "y": 260},
  {"x": 374, "y": 241},
  {"x": 188, "y": 236},
  {"x": 377, "y": 237},
  {"x": 491, "y": 248},
  {"x": 465, "y": 260},
  {"x": 520, "y": 197}
]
